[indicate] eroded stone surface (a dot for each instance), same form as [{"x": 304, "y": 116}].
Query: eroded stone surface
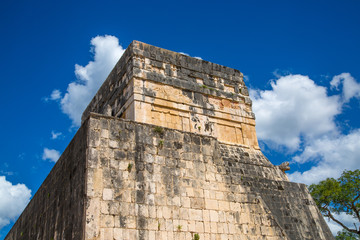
[
  {"x": 157, "y": 86},
  {"x": 197, "y": 170},
  {"x": 171, "y": 184}
]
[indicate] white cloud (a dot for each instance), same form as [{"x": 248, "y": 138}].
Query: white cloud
[
  {"x": 9, "y": 173},
  {"x": 347, "y": 220},
  {"x": 107, "y": 51},
  {"x": 299, "y": 116},
  {"x": 332, "y": 154},
  {"x": 13, "y": 199},
  {"x": 51, "y": 154},
  {"x": 280, "y": 73},
  {"x": 350, "y": 88},
  {"x": 55, "y": 95},
  {"x": 184, "y": 54},
  {"x": 190, "y": 56},
  {"x": 294, "y": 110},
  {"x": 246, "y": 78},
  {"x": 55, "y": 135}
]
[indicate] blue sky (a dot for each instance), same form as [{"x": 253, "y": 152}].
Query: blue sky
[{"x": 300, "y": 58}]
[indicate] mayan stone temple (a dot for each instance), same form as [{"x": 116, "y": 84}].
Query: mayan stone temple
[{"x": 167, "y": 149}]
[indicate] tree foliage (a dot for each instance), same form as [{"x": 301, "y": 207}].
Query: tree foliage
[
  {"x": 342, "y": 195},
  {"x": 345, "y": 235}
]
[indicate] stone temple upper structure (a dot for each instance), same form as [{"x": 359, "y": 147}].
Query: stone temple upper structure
[
  {"x": 167, "y": 149},
  {"x": 157, "y": 86}
]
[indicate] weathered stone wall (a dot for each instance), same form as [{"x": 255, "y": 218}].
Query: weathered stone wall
[
  {"x": 157, "y": 86},
  {"x": 289, "y": 203},
  {"x": 197, "y": 170},
  {"x": 57, "y": 209},
  {"x": 116, "y": 89},
  {"x": 148, "y": 182},
  {"x": 119, "y": 179}
]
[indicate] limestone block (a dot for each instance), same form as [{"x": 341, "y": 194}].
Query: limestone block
[
  {"x": 169, "y": 226},
  {"x": 118, "y": 234},
  {"x": 104, "y": 133},
  {"x": 197, "y": 203},
  {"x": 185, "y": 202},
  {"x": 107, "y": 194},
  {"x": 106, "y": 233},
  {"x": 113, "y": 144},
  {"x": 211, "y": 204},
  {"x": 214, "y": 216},
  {"x": 224, "y": 205},
  {"x": 104, "y": 207},
  {"x": 92, "y": 219},
  {"x": 213, "y": 227},
  {"x": 107, "y": 221},
  {"x": 184, "y": 214},
  {"x": 166, "y": 212},
  {"x": 199, "y": 227},
  {"x": 191, "y": 226}
]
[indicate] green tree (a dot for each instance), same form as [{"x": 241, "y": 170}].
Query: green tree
[
  {"x": 345, "y": 235},
  {"x": 342, "y": 195}
]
